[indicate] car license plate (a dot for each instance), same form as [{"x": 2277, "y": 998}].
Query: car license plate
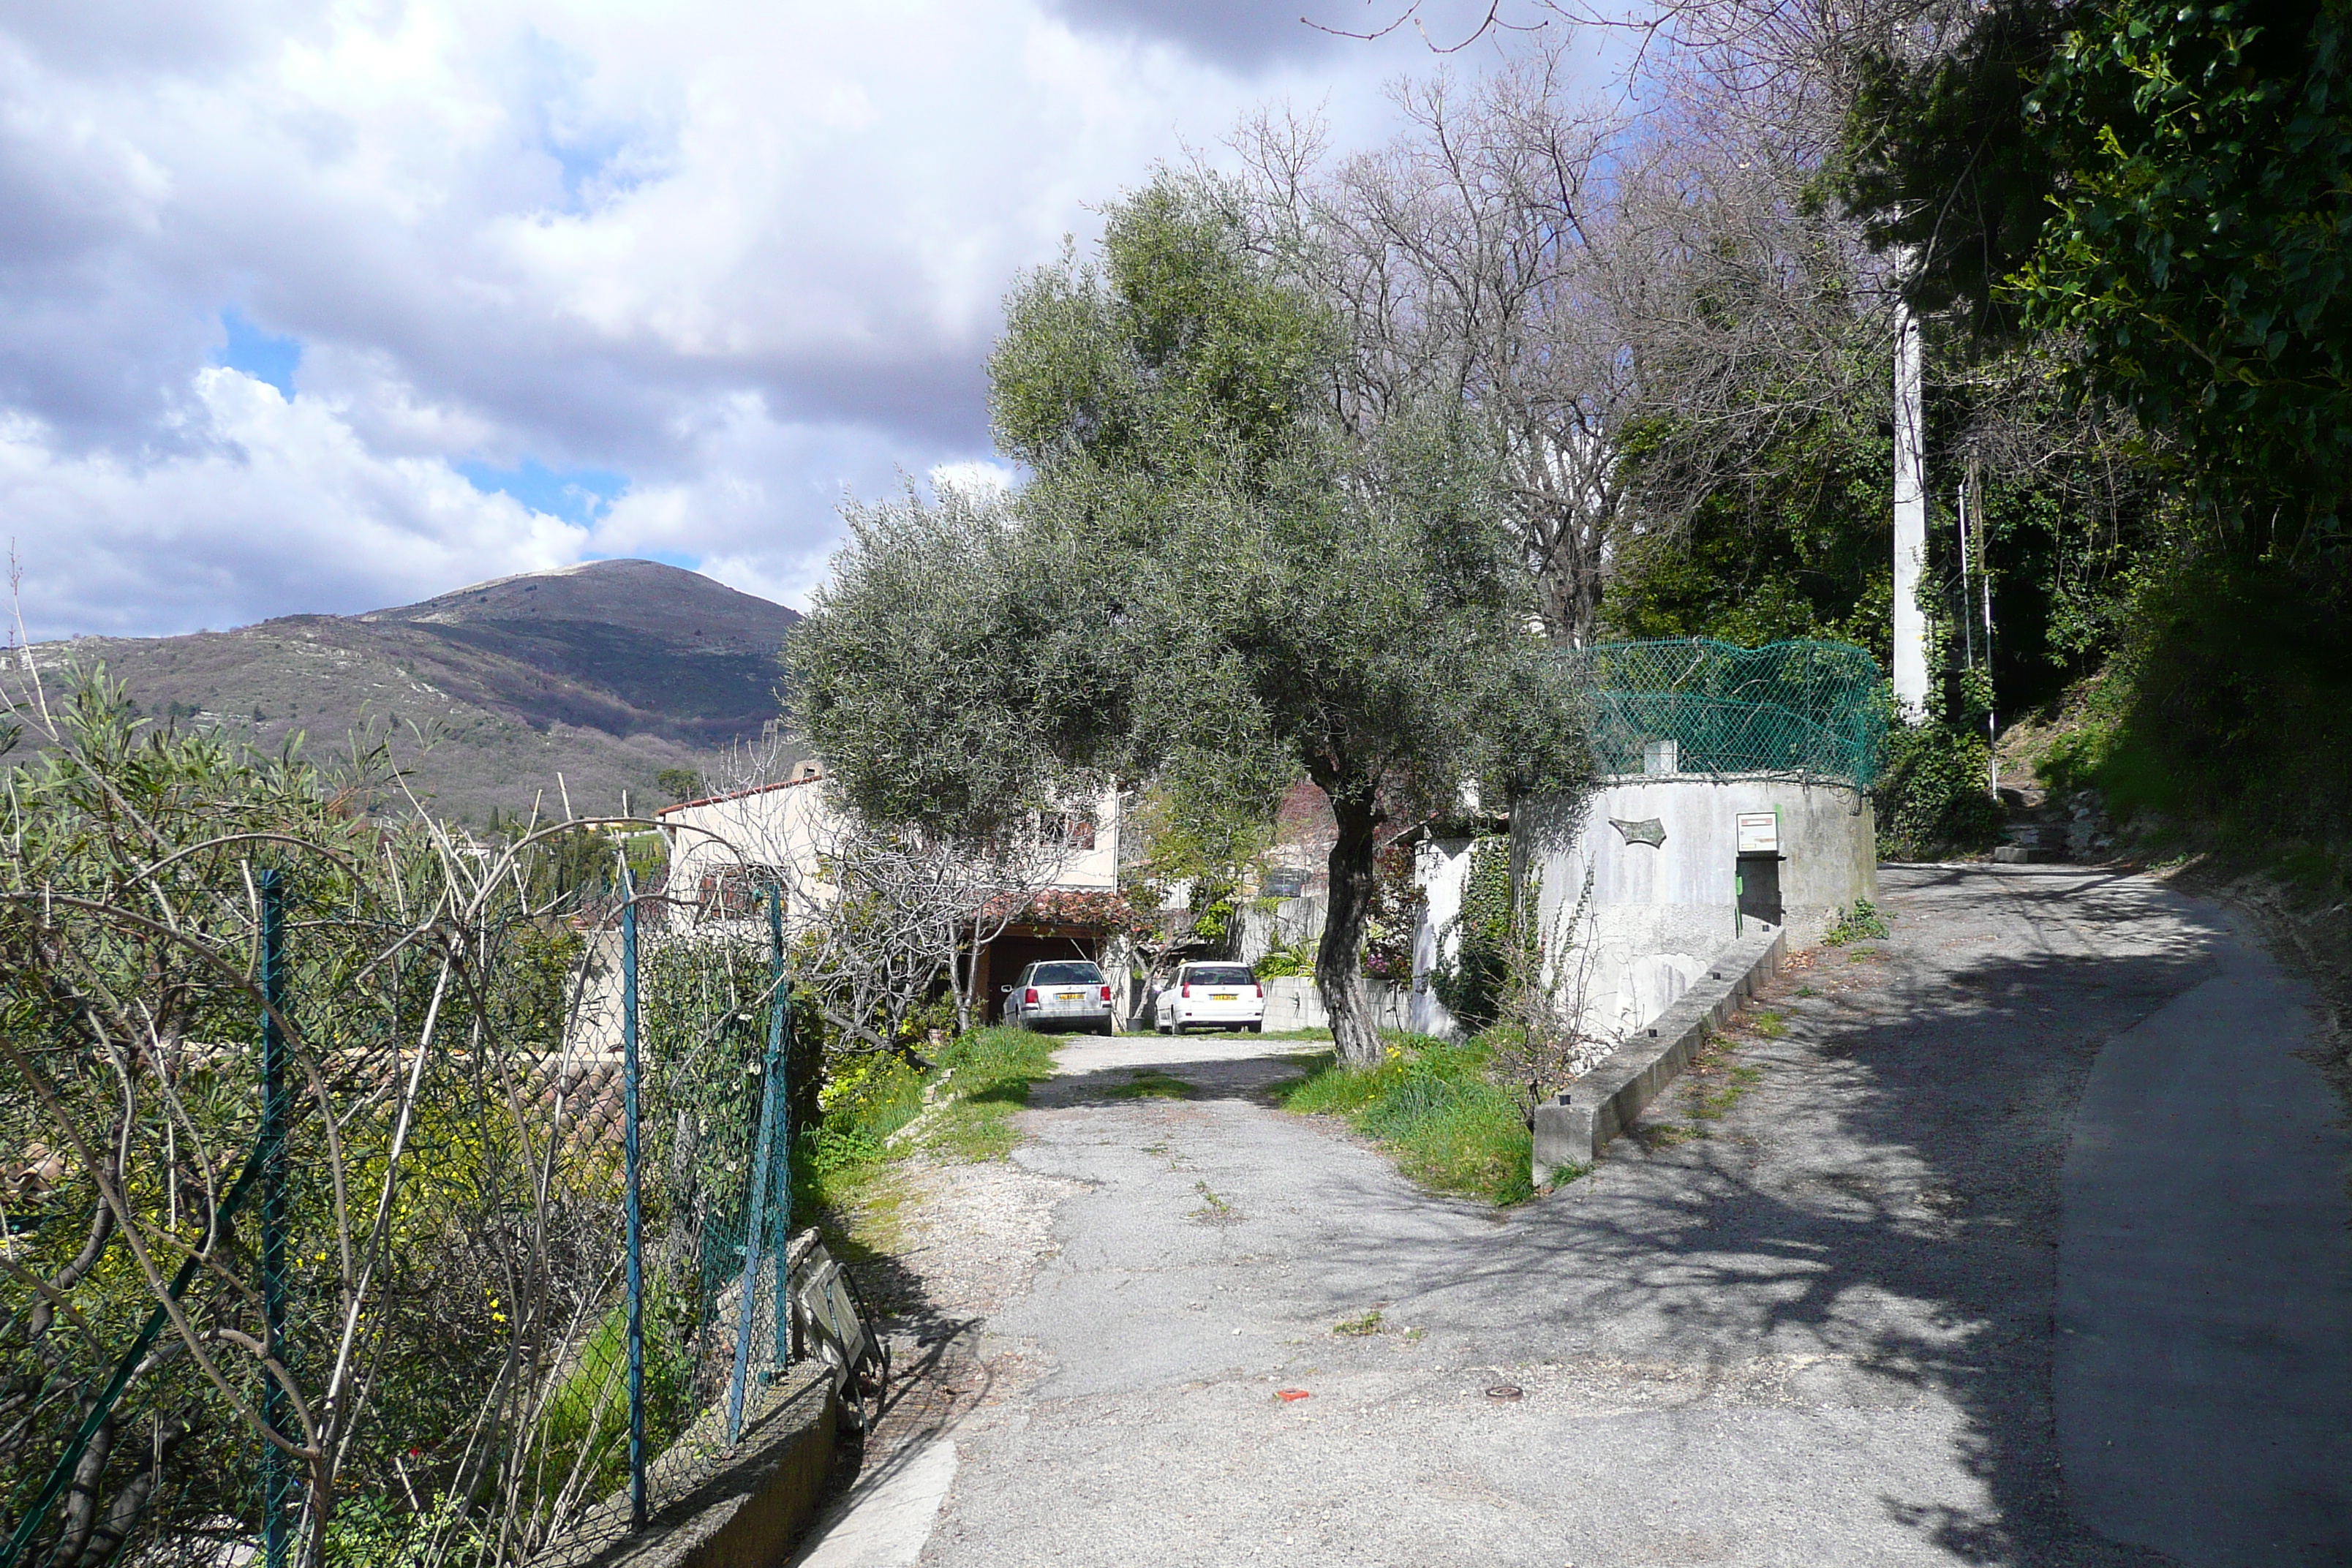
[
  {"x": 1069, "y": 995},
  {"x": 1223, "y": 996}
]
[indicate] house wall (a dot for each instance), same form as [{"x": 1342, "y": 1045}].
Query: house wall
[{"x": 789, "y": 823}]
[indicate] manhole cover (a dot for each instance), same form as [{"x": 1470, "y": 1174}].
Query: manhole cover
[{"x": 1505, "y": 1391}]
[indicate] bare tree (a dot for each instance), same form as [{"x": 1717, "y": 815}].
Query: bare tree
[{"x": 1463, "y": 259}]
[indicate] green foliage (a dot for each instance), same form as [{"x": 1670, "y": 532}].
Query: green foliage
[
  {"x": 453, "y": 1173},
  {"x": 2163, "y": 184},
  {"x": 1433, "y": 1107},
  {"x": 1470, "y": 979},
  {"x": 931, "y": 706},
  {"x": 377, "y": 1531},
  {"x": 1795, "y": 543},
  {"x": 681, "y": 784},
  {"x": 2198, "y": 248},
  {"x": 2228, "y": 714},
  {"x": 1283, "y": 963}
]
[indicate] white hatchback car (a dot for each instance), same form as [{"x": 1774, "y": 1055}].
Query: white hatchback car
[
  {"x": 1211, "y": 996},
  {"x": 1065, "y": 994}
]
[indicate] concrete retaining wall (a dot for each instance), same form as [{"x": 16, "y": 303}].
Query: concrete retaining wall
[
  {"x": 716, "y": 1507},
  {"x": 1663, "y": 912},
  {"x": 1573, "y": 1127}
]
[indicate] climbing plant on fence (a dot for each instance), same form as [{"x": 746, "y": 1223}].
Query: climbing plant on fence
[{"x": 312, "y": 1237}]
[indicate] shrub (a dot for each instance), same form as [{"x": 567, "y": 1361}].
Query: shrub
[{"x": 1934, "y": 793}]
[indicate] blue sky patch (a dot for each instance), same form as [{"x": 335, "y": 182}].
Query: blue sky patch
[
  {"x": 575, "y": 495},
  {"x": 259, "y": 355}
]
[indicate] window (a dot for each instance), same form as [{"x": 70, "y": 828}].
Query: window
[
  {"x": 1066, "y": 975},
  {"x": 1218, "y": 975}
]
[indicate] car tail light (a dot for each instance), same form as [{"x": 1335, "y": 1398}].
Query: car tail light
[
  {"x": 1029, "y": 997},
  {"x": 1188, "y": 990},
  {"x": 1106, "y": 995},
  {"x": 1260, "y": 989}
]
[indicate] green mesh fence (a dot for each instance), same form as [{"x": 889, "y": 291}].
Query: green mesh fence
[{"x": 1811, "y": 709}]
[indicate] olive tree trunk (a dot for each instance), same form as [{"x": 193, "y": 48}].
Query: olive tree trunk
[{"x": 1338, "y": 963}]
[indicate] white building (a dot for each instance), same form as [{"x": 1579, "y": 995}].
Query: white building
[{"x": 743, "y": 839}]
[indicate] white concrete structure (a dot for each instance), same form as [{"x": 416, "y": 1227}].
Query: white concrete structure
[
  {"x": 1666, "y": 855},
  {"x": 1910, "y": 520}
]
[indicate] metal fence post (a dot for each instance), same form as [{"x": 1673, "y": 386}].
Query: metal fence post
[
  {"x": 276, "y": 1479},
  {"x": 635, "y": 1215},
  {"x": 780, "y": 1059},
  {"x": 755, "y": 1215}
]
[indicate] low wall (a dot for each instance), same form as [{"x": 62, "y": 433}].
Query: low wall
[
  {"x": 712, "y": 1506},
  {"x": 1571, "y": 1128},
  {"x": 1293, "y": 1003}
]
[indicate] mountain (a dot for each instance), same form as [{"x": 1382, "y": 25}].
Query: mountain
[{"x": 605, "y": 673}]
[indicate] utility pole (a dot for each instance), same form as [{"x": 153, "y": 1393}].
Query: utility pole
[{"x": 1910, "y": 517}]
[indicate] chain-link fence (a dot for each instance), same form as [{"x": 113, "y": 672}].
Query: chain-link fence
[
  {"x": 350, "y": 1213},
  {"x": 1811, "y": 709}
]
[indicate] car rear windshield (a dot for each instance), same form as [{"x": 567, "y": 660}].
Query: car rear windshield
[
  {"x": 1219, "y": 974},
  {"x": 1067, "y": 975}
]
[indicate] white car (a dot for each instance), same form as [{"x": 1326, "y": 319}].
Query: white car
[
  {"x": 1061, "y": 994},
  {"x": 1211, "y": 996}
]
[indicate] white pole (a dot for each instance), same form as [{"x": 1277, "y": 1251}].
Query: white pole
[{"x": 1910, "y": 523}]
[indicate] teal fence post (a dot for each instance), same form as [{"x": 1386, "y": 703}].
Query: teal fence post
[
  {"x": 635, "y": 1241},
  {"x": 780, "y": 1058},
  {"x": 755, "y": 1216},
  {"x": 276, "y": 1476}
]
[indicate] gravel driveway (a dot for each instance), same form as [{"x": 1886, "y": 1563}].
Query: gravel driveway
[{"x": 1822, "y": 1333}]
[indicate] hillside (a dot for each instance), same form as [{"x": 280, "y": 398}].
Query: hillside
[{"x": 605, "y": 673}]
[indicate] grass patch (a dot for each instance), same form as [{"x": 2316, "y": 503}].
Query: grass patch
[
  {"x": 1356, "y": 1328},
  {"x": 1711, "y": 1086},
  {"x": 1770, "y": 1024},
  {"x": 1150, "y": 1083},
  {"x": 1432, "y": 1107},
  {"x": 842, "y": 1162},
  {"x": 990, "y": 1072}
]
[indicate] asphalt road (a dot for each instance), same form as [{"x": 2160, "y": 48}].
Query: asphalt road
[{"x": 1825, "y": 1333}]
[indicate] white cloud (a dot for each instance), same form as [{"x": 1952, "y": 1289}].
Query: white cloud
[
  {"x": 974, "y": 476},
  {"x": 745, "y": 255},
  {"x": 265, "y": 506}
]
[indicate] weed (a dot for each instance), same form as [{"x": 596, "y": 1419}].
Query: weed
[
  {"x": 1213, "y": 1210},
  {"x": 1415, "y": 1333},
  {"x": 1356, "y": 1328},
  {"x": 1770, "y": 1024},
  {"x": 1862, "y": 922},
  {"x": 1807, "y": 991}
]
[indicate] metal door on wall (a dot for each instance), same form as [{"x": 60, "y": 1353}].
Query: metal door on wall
[{"x": 1760, "y": 888}]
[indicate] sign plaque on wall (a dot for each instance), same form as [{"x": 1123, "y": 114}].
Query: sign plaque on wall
[{"x": 1760, "y": 833}]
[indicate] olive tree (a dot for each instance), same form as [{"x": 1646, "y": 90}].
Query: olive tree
[{"x": 1211, "y": 576}]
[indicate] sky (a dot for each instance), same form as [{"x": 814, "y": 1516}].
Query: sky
[{"x": 324, "y": 307}]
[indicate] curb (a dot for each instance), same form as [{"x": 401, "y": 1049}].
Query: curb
[{"x": 1573, "y": 1127}]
